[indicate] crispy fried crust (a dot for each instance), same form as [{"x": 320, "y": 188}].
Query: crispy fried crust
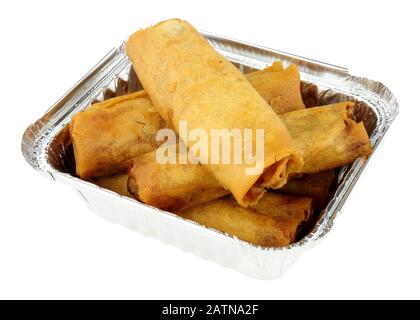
[
  {"x": 97, "y": 154},
  {"x": 117, "y": 183},
  {"x": 299, "y": 208},
  {"x": 328, "y": 136},
  {"x": 172, "y": 186},
  {"x": 267, "y": 228},
  {"x": 314, "y": 185},
  {"x": 188, "y": 80},
  {"x": 337, "y": 143},
  {"x": 280, "y": 88},
  {"x": 106, "y": 135}
]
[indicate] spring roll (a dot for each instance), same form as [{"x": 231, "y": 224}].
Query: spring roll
[
  {"x": 299, "y": 208},
  {"x": 282, "y": 93},
  {"x": 97, "y": 154},
  {"x": 108, "y": 134},
  {"x": 314, "y": 185},
  {"x": 266, "y": 229},
  {"x": 328, "y": 136},
  {"x": 188, "y": 80},
  {"x": 117, "y": 183},
  {"x": 172, "y": 186},
  {"x": 338, "y": 141}
]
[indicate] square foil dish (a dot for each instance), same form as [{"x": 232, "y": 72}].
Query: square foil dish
[{"x": 47, "y": 148}]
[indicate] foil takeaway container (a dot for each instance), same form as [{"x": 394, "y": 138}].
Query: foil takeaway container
[{"x": 47, "y": 148}]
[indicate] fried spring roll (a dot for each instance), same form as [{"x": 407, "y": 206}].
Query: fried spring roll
[
  {"x": 315, "y": 185},
  {"x": 108, "y": 134},
  {"x": 188, "y": 80},
  {"x": 266, "y": 229},
  {"x": 328, "y": 136},
  {"x": 117, "y": 183},
  {"x": 299, "y": 208},
  {"x": 96, "y": 155},
  {"x": 338, "y": 141},
  {"x": 282, "y": 93},
  {"x": 172, "y": 186}
]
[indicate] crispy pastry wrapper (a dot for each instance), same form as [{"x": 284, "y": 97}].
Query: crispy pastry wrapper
[
  {"x": 187, "y": 80},
  {"x": 314, "y": 185},
  {"x": 341, "y": 139},
  {"x": 268, "y": 226},
  {"x": 281, "y": 92},
  {"x": 328, "y": 136},
  {"x": 101, "y": 157},
  {"x": 117, "y": 183},
  {"x": 172, "y": 186},
  {"x": 299, "y": 208},
  {"x": 108, "y": 134}
]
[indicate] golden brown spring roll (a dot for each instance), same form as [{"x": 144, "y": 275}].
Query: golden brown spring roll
[
  {"x": 96, "y": 155},
  {"x": 188, "y": 80},
  {"x": 108, "y": 134},
  {"x": 282, "y": 93},
  {"x": 266, "y": 229},
  {"x": 172, "y": 186},
  {"x": 299, "y": 208},
  {"x": 328, "y": 136},
  {"x": 314, "y": 185},
  {"x": 117, "y": 183},
  {"x": 339, "y": 142}
]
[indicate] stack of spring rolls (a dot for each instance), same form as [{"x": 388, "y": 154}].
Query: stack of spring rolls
[{"x": 185, "y": 79}]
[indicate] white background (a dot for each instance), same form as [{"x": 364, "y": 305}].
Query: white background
[{"x": 51, "y": 246}]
